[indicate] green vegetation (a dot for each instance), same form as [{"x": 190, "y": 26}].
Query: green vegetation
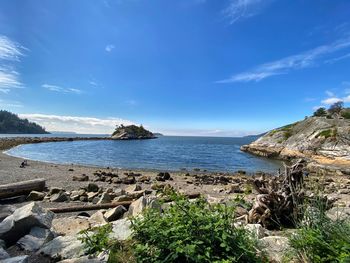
[
  {"x": 330, "y": 133},
  {"x": 346, "y": 114},
  {"x": 96, "y": 239},
  {"x": 321, "y": 240},
  {"x": 11, "y": 123},
  {"x": 320, "y": 112},
  {"x": 132, "y": 131},
  {"x": 192, "y": 232}
]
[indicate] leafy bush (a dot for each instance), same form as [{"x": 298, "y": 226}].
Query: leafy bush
[
  {"x": 346, "y": 114},
  {"x": 321, "y": 240},
  {"x": 195, "y": 231},
  {"x": 96, "y": 239},
  {"x": 327, "y": 133}
]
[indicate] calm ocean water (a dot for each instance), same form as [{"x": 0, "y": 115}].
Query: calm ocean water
[{"x": 164, "y": 153}]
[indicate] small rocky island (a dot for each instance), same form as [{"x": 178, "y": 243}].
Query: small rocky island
[{"x": 132, "y": 132}]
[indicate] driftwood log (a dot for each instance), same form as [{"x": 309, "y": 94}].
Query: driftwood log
[
  {"x": 279, "y": 198},
  {"x": 21, "y": 188}
]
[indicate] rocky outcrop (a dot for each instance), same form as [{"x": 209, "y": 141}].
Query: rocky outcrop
[
  {"x": 320, "y": 139},
  {"x": 132, "y": 132}
]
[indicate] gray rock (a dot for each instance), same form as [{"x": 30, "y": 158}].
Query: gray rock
[
  {"x": 256, "y": 229},
  {"x": 19, "y": 259},
  {"x": 275, "y": 247},
  {"x": 140, "y": 204},
  {"x": 81, "y": 178},
  {"x": 84, "y": 259},
  {"x": 115, "y": 213},
  {"x": 35, "y": 196},
  {"x": 55, "y": 190},
  {"x": 121, "y": 229},
  {"x": 92, "y": 187},
  {"x": 339, "y": 213},
  {"x": 35, "y": 239},
  {"x": 23, "y": 220},
  {"x": 3, "y": 254},
  {"x": 6, "y": 210},
  {"x": 63, "y": 247},
  {"x": 91, "y": 195},
  {"x": 97, "y": 219},
  {"x": 59, "y": 197},
  {"x": 2, "y": 243},
  {"x": 105, "y": 198},
  {"x": 123, "y": 198}
]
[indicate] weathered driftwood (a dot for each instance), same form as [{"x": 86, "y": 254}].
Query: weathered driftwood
[
  {"x": 279, "y": 198},
  {"x": 21, "y": 188},
  {"x": 79, "y": 208}
]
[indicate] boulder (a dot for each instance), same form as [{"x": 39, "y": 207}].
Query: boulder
[
  {"x": 63, "y": 247},
  {"x": 92, "y": 187},
  {"x": 19, "y": 259},
  {"x": 162, "y": 177},
  {"x": 81, "y": 178},
  {"x": 55, "y": 190},
  {"x": 255, "y": 229},
  {"x": 5, "y": 211},
  {"x": 115, "y": 213},
  {"x": 3, "y": 254},
  {"x": 123, "y": 198},
  {"x": 275, "y": 247},
  {"x": 23, "y": 220},
  {"x": 59, "y": 197},
  {"x": 35, "y": 196},
  {"x": 140, "y": 204},
  {"x": 70, "y": 225},
  {"x": 84, "y": 259},
  {"x": 36, "y": 238},
  {"x": 133, "y": 188},
  {"x": 91, "y": 195},
  {"x": 105, "y": 198},
  {"x": 339, "y": 213},
  {"x": 121, "y": 229},
  {"x": 97, "y": 219}
]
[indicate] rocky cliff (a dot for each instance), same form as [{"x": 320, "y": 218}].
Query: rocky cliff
[
  {"x": 320, "y": 139},
  {"x": 132, "y": 132}
]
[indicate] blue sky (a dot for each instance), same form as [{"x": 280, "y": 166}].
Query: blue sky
[{"x": 181, "y": 67}]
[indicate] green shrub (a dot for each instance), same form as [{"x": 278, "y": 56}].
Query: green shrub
[
  {"x": 346, "y": 115},
  {"x": 96, "y": 239},
  {"x": 192, "y": 231},
  {"x": 320, "y": 112},
  {"x": 321, "y": 240},
  {"x": 287, "y": 134},
  {"x": 330, "y": 133}
]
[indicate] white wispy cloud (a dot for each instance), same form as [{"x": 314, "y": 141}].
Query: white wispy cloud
[
  {"x": 10, "y": 54},
  {"x": 240, "y": 9},
  {"x": 333, "y": 98},
  {"x": 334, "y": 60},
  {"x": 56, "y": 88},
  {"x": 10, "y": 104},
  {"x": 87, "y": 125},
  {"x": 109, "y": 47},
  {"x": 285, "y": 65}
]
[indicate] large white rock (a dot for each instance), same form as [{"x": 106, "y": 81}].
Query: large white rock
[
  {"x": 115, "y": 213},
  {"x": 84, "y": 259},
  {"x": 35, "y": 239},
  {"x": 256, "y": 229},
  {"x": 63, "y": 247},
  {"x": 20, "y": 259},
  {"x": 3, "y": 254},
  {"x": 121, "y": 229},
  {"x": 140, "y": 204},
  {"x": 70, "y": 225},
  {"x": 275, "y": 246},
  {"x": 22, "y": 220},
  {"x": 339, "y": 213}
]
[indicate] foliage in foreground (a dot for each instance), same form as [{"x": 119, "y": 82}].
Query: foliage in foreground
[
  {"x": 192, "y": 232},
  {"x": 96, "y": 239},
  {"x": 321, "y": 240}
]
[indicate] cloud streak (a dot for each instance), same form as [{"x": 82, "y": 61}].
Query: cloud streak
[
  {"x": 285, "y": 65},
  {"x": 10, "y": 54},
  {"x": 84, "y": 125},
  {"x": 241, "y": 9},
  {"x": 56, "y": 88}
]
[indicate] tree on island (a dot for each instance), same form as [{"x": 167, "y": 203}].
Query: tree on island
[
  {"x": 336, "y": 108},
  {"x": 320, "y": 112}
]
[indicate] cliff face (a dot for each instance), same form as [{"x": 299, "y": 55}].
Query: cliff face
[{"x": 326, "y": 141}]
